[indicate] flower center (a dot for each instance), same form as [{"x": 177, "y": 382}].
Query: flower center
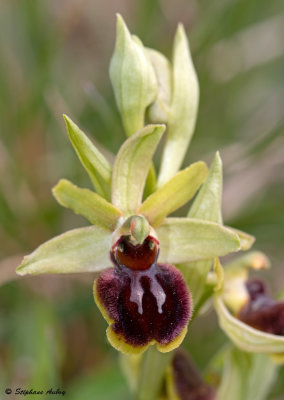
[{"x": 137, "y": 257}]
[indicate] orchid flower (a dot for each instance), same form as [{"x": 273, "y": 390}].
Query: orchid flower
[
  {"x": 132, "y": 243},
  {"x": 140, "y": 253}
]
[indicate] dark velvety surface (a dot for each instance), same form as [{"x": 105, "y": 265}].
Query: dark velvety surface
[
  {"x": 138, "y": 329},
  {"x": 188, "y": 382},
  {"x": 262, "y": 312}
]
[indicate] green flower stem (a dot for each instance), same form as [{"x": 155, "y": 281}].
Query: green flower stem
[{"x": 153, "y": 367}]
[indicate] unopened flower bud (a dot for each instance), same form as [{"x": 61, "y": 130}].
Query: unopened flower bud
[
  {"x": 184, "y": 381},
  {"x": 159, "y": 110},
  {"x": 132, "y": 77}
]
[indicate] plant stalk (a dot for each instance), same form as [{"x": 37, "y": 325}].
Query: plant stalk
[{"x": 153, "y": 367}]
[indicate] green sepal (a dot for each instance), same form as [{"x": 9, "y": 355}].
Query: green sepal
[
  {"x": 79, "y": 250},
  {"x": 96, "y": 165},
  {"x": 207, "y": 207},
  {"x": 132, "y": 77},
  {"x": 174, "y": 194},
  {"x": 131, "y": 168},
  {"x": 188, "y": 239},
  {"x": 183, "y": 109},
  {"x": 86, "y": 203}
]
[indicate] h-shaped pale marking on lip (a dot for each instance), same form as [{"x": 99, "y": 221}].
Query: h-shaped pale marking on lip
[{"x": 156, "y": 289}]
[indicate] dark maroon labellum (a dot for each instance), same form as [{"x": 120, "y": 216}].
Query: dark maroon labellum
[
  {"x": 262, "y": 312},
  {"x": 146, "y": 301}
]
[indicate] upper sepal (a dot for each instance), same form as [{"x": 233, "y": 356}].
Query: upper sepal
[{"x": 131, "y": 168}]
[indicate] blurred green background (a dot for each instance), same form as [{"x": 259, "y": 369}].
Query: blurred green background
[{"x": 54, "y": 58}]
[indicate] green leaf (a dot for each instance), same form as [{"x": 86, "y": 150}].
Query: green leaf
[
  {"x": 183, "y": 110},
  {"x": 244, "y": 336},
  {"x": 131, "y": 168},
  {"x": 132, "y": 77},
  {"x": 206, "y": 206},
  {"x": 174, "y": 194},
  {"x": 158, "y": 111},
  {"x": 246, "y": 376},
  {"x": 96, "y": 165},
  {"x": 186, "y": 239},
  {"x": 86, "y": 203},
  {"x": 78, "y": 250}
]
